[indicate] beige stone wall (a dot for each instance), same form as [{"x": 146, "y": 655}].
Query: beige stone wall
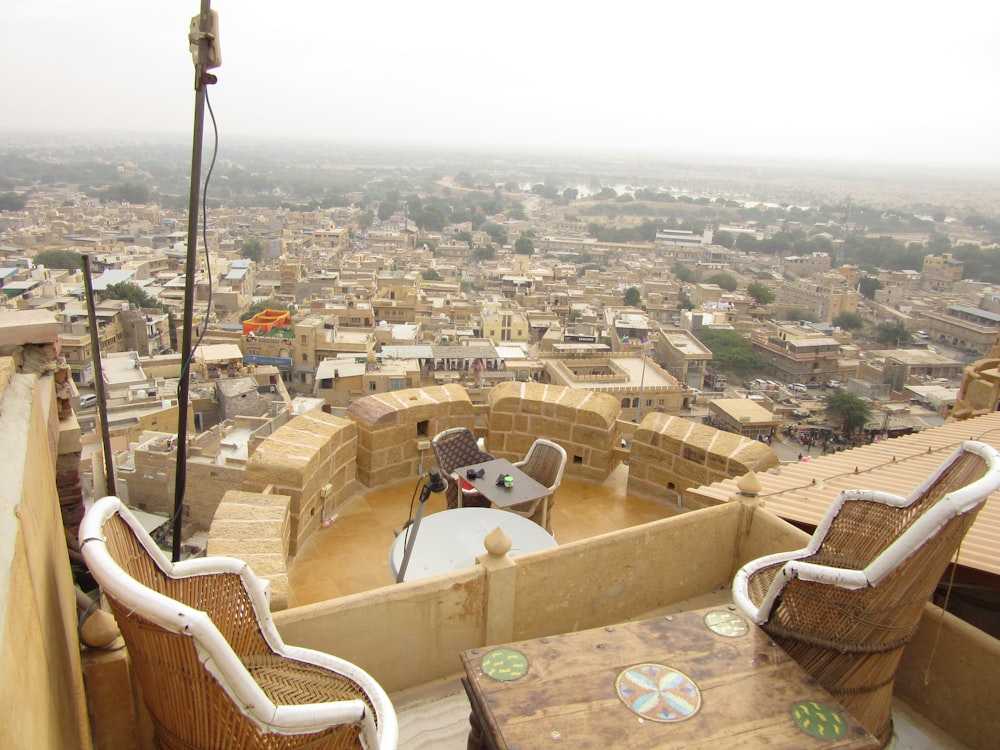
[
  {"x": 951, "y": 663},
  {"x": 41, "y": 685},
  {"x": 582, "y": 422},
  {"x": 412, "y": 633},
  {"x": 312, "y": 460},
  {"x": 391, "y": 426},
  {"x": 670, "y": 454},
  {"x": 980, "y": 390},
  {"x": 255, "y": 528}
]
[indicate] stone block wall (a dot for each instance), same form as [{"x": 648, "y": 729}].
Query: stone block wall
[
  {"x": 312, "y": 460},
  {"x": 582, "y": 422},
  {"x": 980, "y": 389},
  {"x": 670, "y": 454},
  {"x": 391, "y": 426},
  {"x": 255, "y": 528}
]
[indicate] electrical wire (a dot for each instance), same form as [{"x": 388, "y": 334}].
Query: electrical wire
[{"x": 186, "y": 364}]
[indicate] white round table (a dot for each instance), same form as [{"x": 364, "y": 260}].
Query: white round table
[{"x": 453, "y": 539}]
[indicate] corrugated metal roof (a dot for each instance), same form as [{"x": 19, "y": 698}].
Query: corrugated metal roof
[{"x": 801, "y": 492}]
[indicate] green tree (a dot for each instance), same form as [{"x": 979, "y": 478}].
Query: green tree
[
  {"x": 724, "y": 239},
  {"x": 570, "y": 194},
  {"x": 386, "y": 209},
  {"x": 799, "y": 314},
  {"x": 731, "y": 352},
  {"x": 12, "y": 202},
  {"x": 132, "y": 293},
  {"x": 464, "y": 236},
  {"x": 762, "y": 294},
  {"x": 683, "y": 272},
  {"x": 265, "y": 304},
  {"x": 892, "y": 334},
  {"x": 849, "y": 411},
  {"x": 496, "y": 232},
  {"x": 69, "y": 260},
  {"x": 632, "y": 297},
  {"x": 431, "y": 274},
  {"x": 524, "y": 246},
  {"x": 868, "y": 286},
  {"x": 849, "y": 321},
  {"x": 253, "y": 250},
  {"x": 484, "y": 252},
  {"x": 725, "y": 280},
  {"x": 365, "y": 221}
]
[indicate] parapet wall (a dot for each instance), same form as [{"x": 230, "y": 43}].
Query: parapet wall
[
  {"x": 310, "y": 459},
  {"x": 670, "y": 454},
  {"x": 392, "y": 427},
  {"x": 582, "y": 422},
  {"x": 255, "y": 528}
]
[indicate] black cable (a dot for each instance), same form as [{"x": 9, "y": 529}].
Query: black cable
[
  {"x": 409, "y": 521},
  {"x": 185, "y": 367},
  {"x": 186, "y": 364}
]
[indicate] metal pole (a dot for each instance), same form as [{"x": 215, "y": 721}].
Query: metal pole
[
  {"x": 189, "y": 272},
  {"x": 102, "y": 408}
]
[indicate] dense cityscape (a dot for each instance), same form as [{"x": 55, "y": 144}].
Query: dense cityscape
[{"x": 676, "y": 324}]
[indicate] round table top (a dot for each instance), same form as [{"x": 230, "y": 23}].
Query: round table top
[{"x": 453, "y": 539}]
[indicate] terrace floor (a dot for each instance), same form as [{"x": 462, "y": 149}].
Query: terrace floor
[{"x": 352, "y": 554}]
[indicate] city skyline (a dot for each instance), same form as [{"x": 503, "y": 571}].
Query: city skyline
[{"x": 898, "y": 82}]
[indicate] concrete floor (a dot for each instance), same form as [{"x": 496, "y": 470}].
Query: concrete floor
[{"x": 352, "y": 553}]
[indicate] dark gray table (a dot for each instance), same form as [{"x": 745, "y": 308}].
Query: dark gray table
[{"x": 525, "y": 489}]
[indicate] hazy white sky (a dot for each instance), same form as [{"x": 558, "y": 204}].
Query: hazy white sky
[{"x": 888, "y": 80}]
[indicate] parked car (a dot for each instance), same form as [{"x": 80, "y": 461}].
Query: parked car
[
  {"x": 798, "y": 387},
  {"x": 812, "y": 385},
  {"x": 833, "y": 384},
  {"x": 87, "y": 400}
]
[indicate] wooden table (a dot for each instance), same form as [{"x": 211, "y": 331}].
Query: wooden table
[
  {"x": 452, "y": 539},
  {"x": 698, "y": 689},
  {"x": 524, "y": 490}
]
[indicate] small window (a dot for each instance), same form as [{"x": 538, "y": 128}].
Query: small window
[{"x": 372, "y": 385}]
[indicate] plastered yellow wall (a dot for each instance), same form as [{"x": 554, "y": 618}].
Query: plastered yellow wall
[{"x": 41, "y": 685}]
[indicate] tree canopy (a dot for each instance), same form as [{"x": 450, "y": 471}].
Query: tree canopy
[
  {"x": 849, "y": 321},
  {"x": 762, "y": 294},
  {"x": 868, "y": 286},
  {"x": 683, "y": 272},
  {"x": 430, "y": 274},
  {"x": 132, "y": 293},
  {"x": 632, "y": 297},
  {"x": 731, "y": 351},
  {"x": 849, "y": 411},
  {"x": 12, "y": 202},
  {"x": 724, "y": 280},
  {"x": 892, "y": 334},
  {"x": 69, "y": 260},
  {"x": 524, "y": 246},
  {"x": 253, "y": 250}
]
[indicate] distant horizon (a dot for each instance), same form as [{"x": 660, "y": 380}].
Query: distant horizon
[{"x": 482, "y": 150}]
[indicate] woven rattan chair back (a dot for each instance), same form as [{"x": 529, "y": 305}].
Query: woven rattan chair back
[
  {"x": 878, "y": 559},
  {"x": 545, "y": 463},
  {"x": 454, "y": 448},
  {"x": 188, "y": 704}
]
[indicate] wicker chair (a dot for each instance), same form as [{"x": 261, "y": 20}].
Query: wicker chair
[
  {"x": 213, "y": 669},
  {"x": 454, "y": 448},
  {"x": 544, "y": 463},
  {"x": 847, "y": 604}
]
